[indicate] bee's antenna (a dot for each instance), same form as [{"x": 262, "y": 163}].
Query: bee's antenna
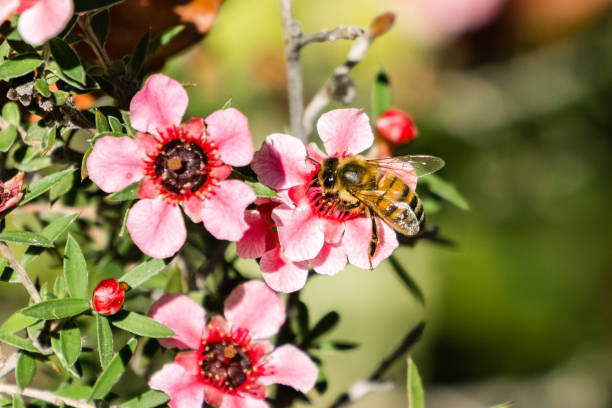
[{"x": 313, "y": 160}]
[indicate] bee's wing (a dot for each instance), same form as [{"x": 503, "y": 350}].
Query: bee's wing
[
  {"x": 408, "y": 166},
  {"x": 398, "y": 215}
]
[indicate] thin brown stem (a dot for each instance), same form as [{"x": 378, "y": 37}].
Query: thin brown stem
[
  {"x": 93, "y": 42},
  {"x": 45, "y": 396},
  {"x": 6, "y": 252}
]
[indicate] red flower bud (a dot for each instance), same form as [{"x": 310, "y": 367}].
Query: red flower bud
[
  {"x": 108, "y": 296},
  {"x": 396, "y": 126},
  {"x": 10, "y": 192}
]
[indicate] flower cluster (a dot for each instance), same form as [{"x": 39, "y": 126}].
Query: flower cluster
[{"x": 228, "y": 361}]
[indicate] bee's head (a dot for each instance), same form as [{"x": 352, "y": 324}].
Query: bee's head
[{"x": 327, "y": 173}]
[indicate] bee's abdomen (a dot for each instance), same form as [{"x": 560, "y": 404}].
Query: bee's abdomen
[{"x": 400, "y": 206}]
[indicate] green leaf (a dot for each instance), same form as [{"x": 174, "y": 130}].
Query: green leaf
[
  {"x": 381, "y": 94},
  {"x": 416, "y": 397},
  {"x": 105, "y": 340},
  {"x": 128, "y": 193},
  {"x": 89, "y": 5},
  {"x": 52, "y": 232},
  {"x": 56, "y": 308},
  {"x": 337, "y": 346},
  {"x": 56, "y": 344},
  {"x": 18, "y": 402},
  {"x": 140, "y": 325},
  {"x": 10, "y": 113},
  {"x": 25, "y": 237},
  {"x": 44, "y": 184},
  {"x": 18, "y": 342},
  {"x": 101, "y": 122},
  {"x": 125, "y": 115},
  {"x": 115, "y": 124},
  {"x": 60, "y": 287},
  {"x": 61, "y": 97},
  {"x": 84, "y": 172},
  {"x": 75, "y": 269},
  {"x": 43, "y": 87},
  {"x": 327, "y": 322},
  {"x": 138, "y": 59},
  {"x": 227, "y": 104},
  {"x": 261, "y": 190},
  {"x": 410, "y": 284},
  {"x": 25, "y": 370},
  {"x": 143, "y": 272},
  {"x": 70, "y": 342},
  {"x": 16, "y": 322},
  {"x": 504, "y": 405},
  {"x": 61, "y": 188},
  {"x": 74, "y": 391},
  {"x": 5, "y": 50},
  {"x": 165, "y": 38},
  {"x": 100, "y": 24},
  {"x": 19, "y": 66},
  {"x": 149, "y": 399},
  {"x": 113, "y": 372},
  {"x": 67, "y": 60},
  {"x": 48, "y": 141},
  {"x": 444, "y": 190},
  {"x": 7, "y": 137}
]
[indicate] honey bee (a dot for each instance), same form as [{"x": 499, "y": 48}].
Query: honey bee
[{"x": 376, "y": 188}]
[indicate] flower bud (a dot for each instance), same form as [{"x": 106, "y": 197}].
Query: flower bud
[
  {"x": 396, "y": 126},
  {"x": 108, "y": 296},
  {"x": 10, "y": 191}
]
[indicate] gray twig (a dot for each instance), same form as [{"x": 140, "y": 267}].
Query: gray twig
[
  {"x": 45, "y": 396},
  {"x": 6, "y": 252},
  {"x": 9, "y": 364},
  {"x": 339, "y": 33},
  {"x": 340, "y": 86}
]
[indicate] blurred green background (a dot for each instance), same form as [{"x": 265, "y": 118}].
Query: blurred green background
[{"x": 515, "y": 96}]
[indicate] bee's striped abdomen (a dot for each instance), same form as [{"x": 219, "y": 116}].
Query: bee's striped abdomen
[{"x": 399, "y": 205}]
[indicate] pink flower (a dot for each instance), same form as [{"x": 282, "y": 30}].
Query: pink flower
[
  {"x": 40, "y": 20},
  {"x": 310, "y": 228},
  {"x": 11, "y": 191},
  {"x": 229, "y": 362},
  {"x": 177, "y": 164}
]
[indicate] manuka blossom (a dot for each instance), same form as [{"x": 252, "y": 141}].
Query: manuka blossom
[
  {"x": 229, "y": 361},
  {"x": 311, "y": 231},
  {"x": 40, "y": 20},
  {"x": 11, "y": 191},
  {"x": 176, "y": 163}
]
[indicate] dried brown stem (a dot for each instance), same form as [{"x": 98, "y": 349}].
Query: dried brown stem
[
  {"x": 6, "y": 252},
  {"x": 93, "y": 42}
]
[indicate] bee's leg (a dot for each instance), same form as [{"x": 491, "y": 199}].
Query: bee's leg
[{"x": 374, "y": 240}]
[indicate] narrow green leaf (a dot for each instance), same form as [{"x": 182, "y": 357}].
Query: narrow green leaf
[
  {"x": 19, "y": 66},
  {"x": 61, "y": 97},
  {"x": 113, "y": 372},
  {"x": 261, "y": 190},
  {"x": 327, "y": 322},
  {"x": 5, "y": 50},
  {"x": 227, "y": 104},
  {"x": 105, "y": 340},
  {"x": 143, "y": 272},
  {"x": 101, "y": 122},
  {"x": 7, "y": 137},
  {"x": 56, "y": 344},
  {"x": 18, "y": 402},
  {"x": 56, "y": 308},
  {"x": 115, "y": 124},
  {"x": 100, "y": 24},
  {"x": 84, "y": 172},
  {"x": 48, "y": 141},
  {"x": 74, "y": 391},
  {"x": 128, "y": 193},
  {"x": 61, "y": 188},
  {"x": 25, "y": 237},
  {"x": 416, "y": 396},
  {"x": 67, "y": 60},
  {"x": 165, "y": 38},
  {"x": 504, "y": 405},
  {"x": 60, "y": 289},
  {"x": 138, "y": 59},
  {"x": 16, "y": 322},
  {"x": 43, "y": 87},
  {"x": 89, "y": 5},
  {"x": 43, "y": 185},
  {"x": 337, "y": 346},
  {"x": 75, "y": 269},
  {"x": 25, "y": 370},
  {"x": 444, "y": 190},
  {"x": 10, "y": 113},
  {"x": 381, "y": 94},
  {"x": 149, "y": 399},
  {"x": 410, "y": 284},
  {"x": 140, "y": 325},
  {"x": 18, "y": 342},
  {"x": 70, "y": 342},
  {"x": 125, "y": 115},
  {"x": 52, "y": 232}
]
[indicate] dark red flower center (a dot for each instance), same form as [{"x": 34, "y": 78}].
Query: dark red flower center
[
  {"x": 182, "y": 165},
  {"x": 228, "y": 361}
]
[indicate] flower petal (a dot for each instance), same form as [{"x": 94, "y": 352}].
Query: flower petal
[
  {"x": 157, "y": 227},
  {"x": 315, "y": 153},
  {"x": 345, "y": 131},
  {"x": 291, "y": 367},
  {"x": 44, "y": 20},
  {"x": 146, "y": 142},
  {"x": 183, "y": 316},
  {"x": 229, "y": 129},
  {"x": 281, "y": 162},
  {"x": 115, "y": 163},
  {"x": 254, "y": 306},
  {"x": 223, "y": 213},
  {"x": 147, "y": 188},
  {"x": 12, "y": 191},
  {"x": 253, "y": 242},
  {"x": 280, "y": 274},
  {"x": 185, "y": 390},
  {"x": 161, "y": 103},
  {"x": 7, "y": 8},
  {"x": 356, "y": 241},
  {"x": 333, "y": 230},
  {"x": 194, "y": 127},
  {"x": 213, "y": 396},
  {"x": 193, "y": 208},
  {"x": 331, "y": 259},
  {"x": 230, "y": 401},
  {"x": 188, "y": 360},
  {"x": 299, "y": 231}
]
